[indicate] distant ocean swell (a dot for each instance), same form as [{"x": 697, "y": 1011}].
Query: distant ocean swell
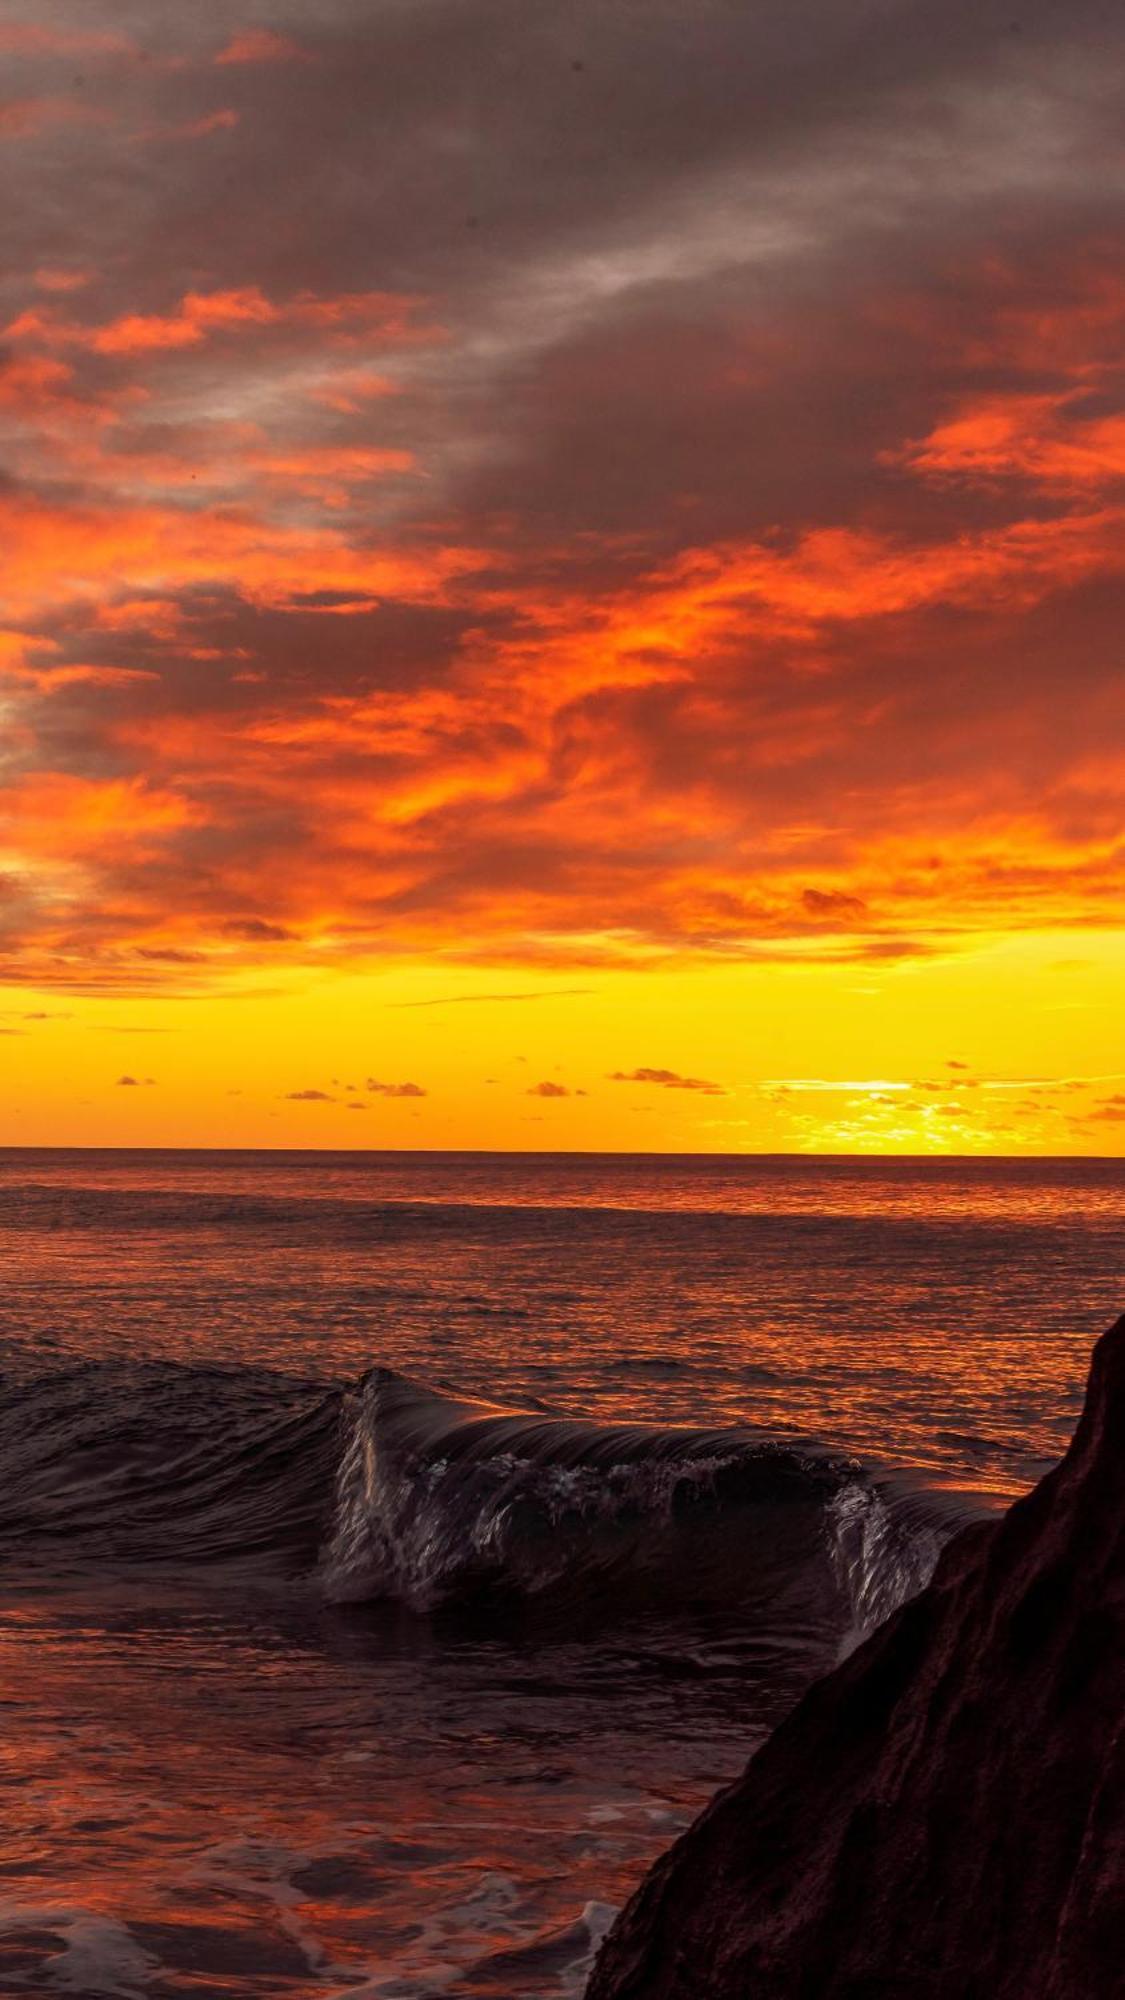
[{"x": 387, "y": 1490}]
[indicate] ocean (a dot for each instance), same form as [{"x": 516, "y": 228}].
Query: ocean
[{"x": 399, "y": 1549}]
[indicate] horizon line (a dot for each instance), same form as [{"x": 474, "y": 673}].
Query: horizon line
[{"x": 568, "y": 1153}]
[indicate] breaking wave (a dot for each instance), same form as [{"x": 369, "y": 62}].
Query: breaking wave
[{"x": 387, "y": 1490}]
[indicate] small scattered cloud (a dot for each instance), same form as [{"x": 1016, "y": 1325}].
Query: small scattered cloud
[
  {"x": 668, "y": 1079},
  {"x": 395, "y": 1089},
  {"x": 548, "y": 1089},
  {"x": 135, "y": 1082},
  {"x": 223, "y": 120},
  {"x": 30, "y": 117},
  {"x": 58, "y": 280},
  {"x": 260, "y": 45},
  {"x": 952, "y": 1063},
  {"x": 309, "y": 1097},
  {"x": 18, "y": 38}
]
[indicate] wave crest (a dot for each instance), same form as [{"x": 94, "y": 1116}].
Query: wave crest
[
  {"x": 440, "y": 1499},
  {"x": 387, "y": 1490}
]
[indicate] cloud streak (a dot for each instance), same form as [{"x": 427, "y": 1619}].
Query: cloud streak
[{"x": 668, "y": 1079}]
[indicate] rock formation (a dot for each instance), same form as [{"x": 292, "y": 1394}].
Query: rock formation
[{"x": 942, "y": 1817}]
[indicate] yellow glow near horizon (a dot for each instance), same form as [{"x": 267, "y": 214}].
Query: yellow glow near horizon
[{"x": 1013, "y": 1047}]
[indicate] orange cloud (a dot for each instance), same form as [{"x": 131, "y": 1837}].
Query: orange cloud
[
  {"x": 224, "y": 120},
  {"x": 349, "y": 390},
  {"x": 198, "y": 316},
  {"x": 50, "y": 279},
  {"x": 260, "y": 45},
  {"x": 36, "y": 382},
  {"x": 1070, "y": 323},
  {"x": 19, "y": 38},
  {"x": 56, "y": 552},
  {"x": 29, "y": 117},
  {"x": 61, "y": 815},
  {"x": 1050, "y": 440},
  {"x": 446, "y": 763},
  {"x": 286, "y": 683}
]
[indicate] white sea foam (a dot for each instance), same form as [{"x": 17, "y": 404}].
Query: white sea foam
[
  {"x": 97, "y": 1954},
  {"x": 882, "y": 1554}
]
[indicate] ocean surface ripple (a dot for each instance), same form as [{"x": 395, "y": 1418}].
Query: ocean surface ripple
[{"x": 395, "y": 1553}]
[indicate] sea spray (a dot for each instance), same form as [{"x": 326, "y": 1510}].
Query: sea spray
[{"x": 882, "y": 1554}]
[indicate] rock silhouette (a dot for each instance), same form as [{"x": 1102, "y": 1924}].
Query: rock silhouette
[{"x": 943, "y": 1816}]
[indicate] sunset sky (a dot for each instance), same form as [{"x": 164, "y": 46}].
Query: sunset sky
[{"x": 561, "y": 574}]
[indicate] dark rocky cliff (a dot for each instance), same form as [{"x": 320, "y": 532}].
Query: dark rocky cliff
[{"x": 943, "y": 1817}]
